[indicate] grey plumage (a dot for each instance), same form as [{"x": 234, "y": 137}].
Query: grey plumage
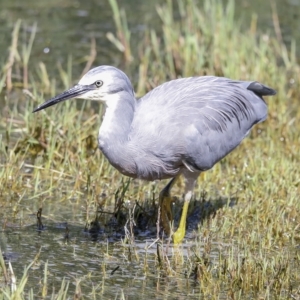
[
  {"x": 182, "y": 126},
  {"x": 192, "y": 121}
]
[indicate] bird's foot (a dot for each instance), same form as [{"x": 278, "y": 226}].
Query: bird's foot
[{"x": 178, "y": 235}]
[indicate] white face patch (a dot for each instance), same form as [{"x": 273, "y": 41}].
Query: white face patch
[
  {"x": 91, "y": 77},
  {"x": 90, "y": 95},
  {"x": 114, "y": 83}
]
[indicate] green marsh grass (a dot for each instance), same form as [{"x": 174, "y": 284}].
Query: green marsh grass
[
  {"x": 122, "y": 41},
  {"x": 247, "y": 246}
]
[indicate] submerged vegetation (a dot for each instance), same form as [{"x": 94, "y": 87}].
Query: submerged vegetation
[{"x": 247, "y": 244}]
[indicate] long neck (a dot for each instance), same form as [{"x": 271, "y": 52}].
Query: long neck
[{"x": 113, "y": 133}]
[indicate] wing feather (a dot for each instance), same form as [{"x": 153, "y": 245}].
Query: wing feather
[{"x": 207, "y": 117}]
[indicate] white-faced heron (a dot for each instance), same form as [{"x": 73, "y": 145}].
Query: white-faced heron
[{"x": 182, "y": 127}]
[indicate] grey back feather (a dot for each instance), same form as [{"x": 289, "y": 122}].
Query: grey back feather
[{"x": 194, "y": 122}]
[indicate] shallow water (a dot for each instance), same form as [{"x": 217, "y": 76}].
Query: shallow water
[
  {"x": 107, "y": 265},
  {"x": 103, "y": 260},
  {"x": 65, "y": 28}
]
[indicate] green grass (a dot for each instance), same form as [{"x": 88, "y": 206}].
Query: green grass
[{"x": 246, "y": 251}]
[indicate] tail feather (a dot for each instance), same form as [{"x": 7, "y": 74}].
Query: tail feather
[{"x": 260, "y": 89}]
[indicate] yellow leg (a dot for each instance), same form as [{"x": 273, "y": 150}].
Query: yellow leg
[
  {"x": 165, "y": 201},
  {"x": 166, "y": 216},
  {"x": 180, "y": 232},
  {"x": 190, "y": 180}
]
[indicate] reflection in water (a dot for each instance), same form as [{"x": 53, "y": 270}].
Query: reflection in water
[
  {"x": 104, "y": 255},
  {"x": 106, "y": 267}
]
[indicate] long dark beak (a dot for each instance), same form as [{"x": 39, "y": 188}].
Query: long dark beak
[{"x": 73, "y": 92}]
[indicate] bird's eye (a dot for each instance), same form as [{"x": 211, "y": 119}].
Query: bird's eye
[{"x": 98, "y": 83}]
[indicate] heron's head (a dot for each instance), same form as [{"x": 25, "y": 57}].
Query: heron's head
[{"x": 103, "y": 83}]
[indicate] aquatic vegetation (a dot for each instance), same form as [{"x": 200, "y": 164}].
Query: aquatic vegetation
[{"x": 246, "y": 244}]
